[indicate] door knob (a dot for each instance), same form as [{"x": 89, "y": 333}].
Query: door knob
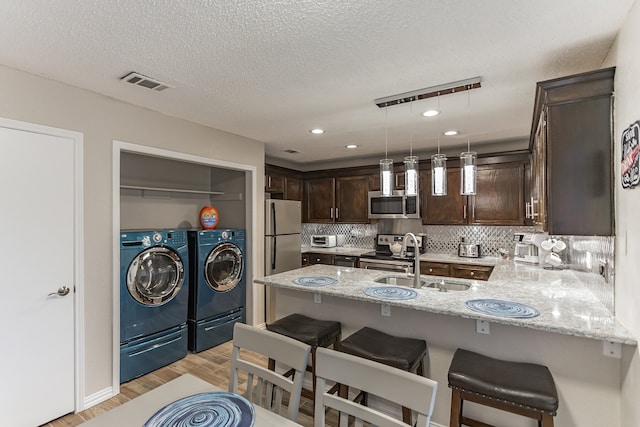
[{"x": 61, "y": 292}]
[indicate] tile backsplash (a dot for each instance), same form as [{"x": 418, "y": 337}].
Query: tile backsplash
[{"x": 590, "y": 254}]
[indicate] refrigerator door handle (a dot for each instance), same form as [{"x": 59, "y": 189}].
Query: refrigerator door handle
[
  {"x": 273, "y": 218},
  {"x": 273, "y": 252}
]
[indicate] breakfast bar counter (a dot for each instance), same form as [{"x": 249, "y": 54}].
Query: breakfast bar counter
[
  {"x": 565, "y": 304},
  {"x": 566, "y": 328}
]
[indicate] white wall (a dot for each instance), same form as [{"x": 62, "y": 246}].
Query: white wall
[
  {"x": 624, "y": 55},
  {"x": 34, "y": 99}
]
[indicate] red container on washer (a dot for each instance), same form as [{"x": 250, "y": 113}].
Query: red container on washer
[{"x": 209, "y": 217}]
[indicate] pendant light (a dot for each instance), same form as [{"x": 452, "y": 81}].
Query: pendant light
[
  {"x": 411, "y": 165},
  {"x": 468, "y": 161},
  {"x": 386, "y": 164},
  {"x": 439, "y": 167}
]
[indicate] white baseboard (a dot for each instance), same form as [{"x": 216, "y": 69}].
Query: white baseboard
[
  {"x": 98, "y": 397},
  {"x": 432, "y": 424}
]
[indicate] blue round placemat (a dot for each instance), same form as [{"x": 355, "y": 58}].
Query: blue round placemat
[
  {"x": 391, "y": 292},
  {"x": 315, "y": 281},
  {"x": 501, "y": 308},
  {"x": 214, "y": 409}
]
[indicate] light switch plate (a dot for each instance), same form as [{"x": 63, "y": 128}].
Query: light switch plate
[
  {"x": 317, "y": 298},
  {"x": 482, "y": 327},
  {"x": 385, "y": 310},
  {"x": 612, "y": 349}
]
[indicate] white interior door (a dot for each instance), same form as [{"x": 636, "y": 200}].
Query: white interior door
[{"x": 37, "y": 245}]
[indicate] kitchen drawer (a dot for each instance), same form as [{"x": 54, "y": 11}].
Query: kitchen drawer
[
  {"x": 311, "y": 258},
  {"x": 465, "y": 271},
  {"x": 435, "y": 268}
]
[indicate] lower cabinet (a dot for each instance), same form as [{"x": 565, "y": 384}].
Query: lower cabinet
[
  {"x": 460, "y": 271},
  {"x": 311, "y": 258}
]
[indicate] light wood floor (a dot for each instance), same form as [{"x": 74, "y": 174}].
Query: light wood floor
[{"x": 212, "y": 365}]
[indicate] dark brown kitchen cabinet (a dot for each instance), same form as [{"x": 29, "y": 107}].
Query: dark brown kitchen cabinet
[
  {"x": 273, "y": 184},
  {"x": 434, "y": 268},
  {"x": 292, "y": 189},
  {"x": 499, "y": 198},
  {"x": 572, "y": 139},
  {"x": 471, "y": 271},
  {"x": 398, "y": 177},
  {"x": 342, "y": 199},
  {"x": 311, "y": 258},
  {"x": 461, "y": 271},
  {"x": 450, "y": 209}
]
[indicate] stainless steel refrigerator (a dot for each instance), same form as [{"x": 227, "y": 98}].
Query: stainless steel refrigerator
[{"x": 282, "y": 244}]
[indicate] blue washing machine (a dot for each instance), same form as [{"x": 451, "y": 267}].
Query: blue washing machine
[
  {"x": 217, "y": 286},
  {"x": 154, "y": 300}
]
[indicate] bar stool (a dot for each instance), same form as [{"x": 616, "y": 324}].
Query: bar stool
[
  {"x": 313, "y": 332},
  {"x": 525, "y": 389},
  {"x": 402, "y": 353}
]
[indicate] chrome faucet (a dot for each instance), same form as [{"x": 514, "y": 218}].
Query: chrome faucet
[{"x": 416, "y": 254}]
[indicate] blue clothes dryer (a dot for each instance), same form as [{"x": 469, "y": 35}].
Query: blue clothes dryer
[
  {"x": 154, "y": 297},
  {"x": 217, "y": 286}
]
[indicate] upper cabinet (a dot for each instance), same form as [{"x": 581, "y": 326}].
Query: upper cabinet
[
  {"x": 572, "y": 155},
  {"x": 341, "y": 199},
  {"x": 282, "y": 183},
  {"x": 499, "y": 198}
]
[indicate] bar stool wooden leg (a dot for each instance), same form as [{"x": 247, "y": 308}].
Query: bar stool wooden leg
[
  {"x": 456, "y": 408},
  {"x": 547, "y": 421}
]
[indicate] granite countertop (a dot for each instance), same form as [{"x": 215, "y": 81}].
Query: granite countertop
[
  {"x": 338, "y": 250},
  {"x": 565, "y": 304}
]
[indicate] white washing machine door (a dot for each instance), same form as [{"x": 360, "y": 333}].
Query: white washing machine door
[
  {"x": 155, "y": 276},
  {"x": 223, "y": 269}
]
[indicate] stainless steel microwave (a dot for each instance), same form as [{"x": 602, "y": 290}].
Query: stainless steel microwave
[{"x": 398, "y": 205}]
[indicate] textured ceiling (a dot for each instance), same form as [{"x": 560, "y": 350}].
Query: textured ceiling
[{"x": 273, "y": 69}]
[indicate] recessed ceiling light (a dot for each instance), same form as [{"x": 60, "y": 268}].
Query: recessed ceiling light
[
  {"x": 431, "y": 113},
  {"x": 451, "y": 132},
  {"x": 351, "y": 146},
  {"x": 317, "y": 131}
]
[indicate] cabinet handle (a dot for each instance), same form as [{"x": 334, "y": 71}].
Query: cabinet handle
[
  {"x": 464, "y": 211},
  {"x": 269, "y": 181},
  {"x": 431, "y": 270},
  {"x": 533, "y": 212},
  {"x": 527, "y": 210},
  {"x": 317, "y": 259},
  {"x": 472, "y": 273},
  {"x": 337, "y": 213},
  {"x": 331, "y": 213}
]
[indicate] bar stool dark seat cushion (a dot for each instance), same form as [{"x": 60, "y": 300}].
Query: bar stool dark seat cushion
[
  {"x": 518, "y": 383},
  {"x": 314, "y": 332},
  {"x": 401, "y": 353}
]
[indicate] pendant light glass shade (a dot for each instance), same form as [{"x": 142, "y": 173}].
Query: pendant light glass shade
[
  {"x": 438, "y": 175},
  {"x": 411, "y": 175},
  {"x": 468, "y": 173},
  {"x": 386, "y": 177}
]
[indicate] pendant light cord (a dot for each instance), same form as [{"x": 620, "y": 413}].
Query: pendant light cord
[
  {"x": 411, "y": 129},
  {"x": 468, "y": 118},
  {"x": 438, "y": 122},
  {"x": 386, "y": 133}
]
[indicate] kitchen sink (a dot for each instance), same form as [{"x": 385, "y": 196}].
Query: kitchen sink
[
  {"x": 399, "y": 281},
  {"x": 446, "y": 286}
]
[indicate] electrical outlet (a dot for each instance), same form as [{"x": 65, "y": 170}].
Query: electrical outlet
[
  {"x": 612, "y": 349},
  {"x": 602, "y": 267},
  {"x": 482, "y": 327},
  {"x": 317, "y": 298},
  {"x": 385, "y": 310}
]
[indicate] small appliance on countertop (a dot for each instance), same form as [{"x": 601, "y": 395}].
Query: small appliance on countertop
[
  {"x": 527, "y": 247},
  {"x": 468, "y": 250},
  {"x": 324, "y": 240}
]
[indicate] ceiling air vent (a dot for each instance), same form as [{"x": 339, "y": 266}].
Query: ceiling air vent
[
  {"x": 290, "y": 151},
  {"x": 144, "y": 81}
]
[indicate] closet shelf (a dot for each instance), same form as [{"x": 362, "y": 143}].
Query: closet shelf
[{"x": 170, "y": 190}]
